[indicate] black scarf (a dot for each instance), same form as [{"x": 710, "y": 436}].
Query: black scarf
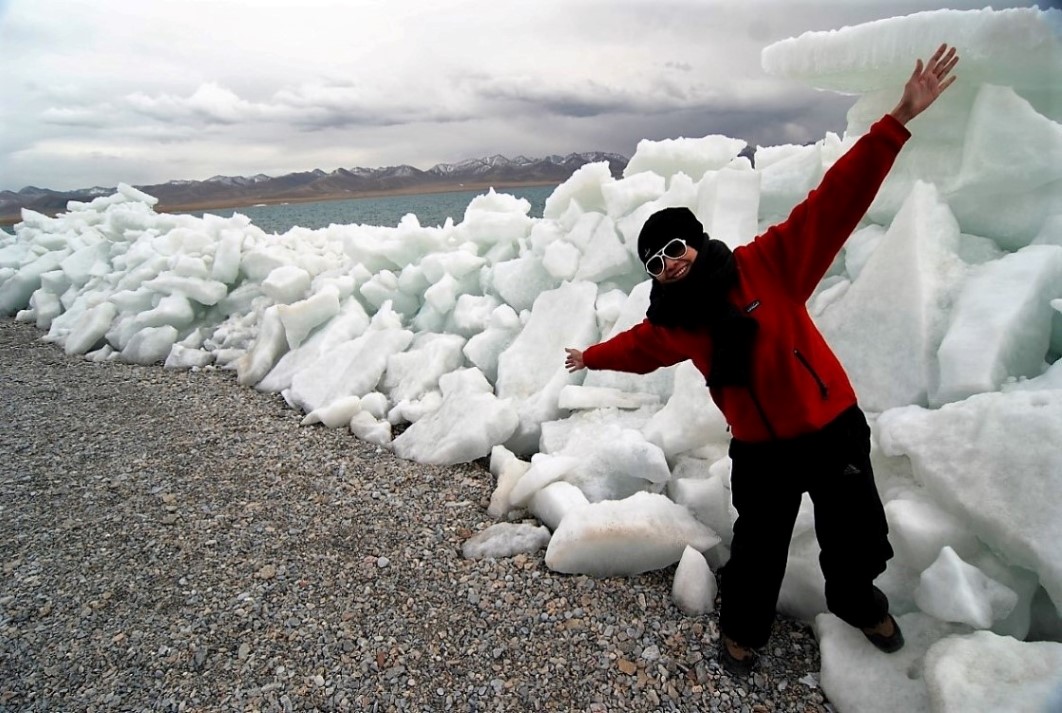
[{"x": 698, "y": 301}]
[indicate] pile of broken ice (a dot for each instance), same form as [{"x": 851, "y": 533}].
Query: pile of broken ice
[{"x": 944, "y": 306}]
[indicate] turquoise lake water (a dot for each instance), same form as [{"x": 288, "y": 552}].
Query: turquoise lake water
[{"x": 430, "y": 208}]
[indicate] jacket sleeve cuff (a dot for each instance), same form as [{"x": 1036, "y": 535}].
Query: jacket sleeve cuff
[
  {"x": 589, "y": 354},
  {"x": 892, "y": 130}
]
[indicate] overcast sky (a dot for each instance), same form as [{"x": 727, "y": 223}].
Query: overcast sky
[{"x": 145, "y": 91}]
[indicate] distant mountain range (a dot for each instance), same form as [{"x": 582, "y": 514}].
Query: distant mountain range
[{"x": 231, "y": 191}]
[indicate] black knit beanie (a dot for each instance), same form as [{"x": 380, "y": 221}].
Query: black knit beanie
[{"x": 667, "y": 224}]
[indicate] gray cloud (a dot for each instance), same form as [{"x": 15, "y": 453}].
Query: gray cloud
[
  {"x": 585, "y": 101},
  {"x": 83, "y": 117},
  {"x": 680, "y": 66},
  {"x": 320, "y": 84},
  {"x": 308, "y": 107}
]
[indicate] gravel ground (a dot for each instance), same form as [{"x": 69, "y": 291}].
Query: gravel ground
[{"x": 172, "y": 541}]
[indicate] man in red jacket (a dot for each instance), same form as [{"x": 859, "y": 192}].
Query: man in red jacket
[{"x": 741, "y": 317}]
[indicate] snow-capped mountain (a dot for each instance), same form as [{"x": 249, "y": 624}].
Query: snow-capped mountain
[{"x": 220, "y": 191}]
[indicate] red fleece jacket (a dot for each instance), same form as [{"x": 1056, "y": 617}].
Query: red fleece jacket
[{"x": 798, "y": 385}]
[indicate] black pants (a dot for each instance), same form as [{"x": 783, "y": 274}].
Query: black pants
[{"x": 767, "y": 482}]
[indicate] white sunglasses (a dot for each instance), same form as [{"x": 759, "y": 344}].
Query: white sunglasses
[{"x": 675, "y": 248}]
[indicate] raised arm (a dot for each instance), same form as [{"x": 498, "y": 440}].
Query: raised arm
[{"x": 802, "y": 247}]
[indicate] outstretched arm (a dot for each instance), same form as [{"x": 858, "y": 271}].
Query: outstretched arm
[
  {"x": 926, "y": 83},
  {"x": 639, "y": 350}
]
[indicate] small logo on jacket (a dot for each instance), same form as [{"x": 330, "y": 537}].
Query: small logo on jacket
[{"x": 753, "y": 305}]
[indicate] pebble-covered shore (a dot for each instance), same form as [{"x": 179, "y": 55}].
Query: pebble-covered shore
[{"x": 170, "y": 540}]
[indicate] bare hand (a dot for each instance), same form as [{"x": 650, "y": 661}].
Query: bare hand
[
  {"x": 574, "y": 360},
  {"x": 926, "y": 84}
]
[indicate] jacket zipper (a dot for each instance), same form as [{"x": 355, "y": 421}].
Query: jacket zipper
[
  {"x": 763, "y": 414},
  {"x": 823, "y": 391}
]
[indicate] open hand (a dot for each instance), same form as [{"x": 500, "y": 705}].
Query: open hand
[
  {"x": 926, "y": 83},
  {"x": 574, "y": 360}
]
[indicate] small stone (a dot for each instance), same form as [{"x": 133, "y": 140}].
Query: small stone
[
  {"x": 628, "y": 667},
  {"x": 244, "y": 651},
  {"x": 382, "y": 562},
  {"x": 267, "y": 572}
]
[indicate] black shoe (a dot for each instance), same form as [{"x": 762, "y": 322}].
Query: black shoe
[
  {"x": 732, "y": 664},
  {"x": 889, "y": 644}
]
